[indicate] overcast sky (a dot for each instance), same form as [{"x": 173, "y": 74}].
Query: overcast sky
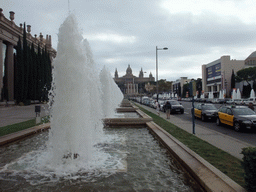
[{"x": 122, "y": 32}]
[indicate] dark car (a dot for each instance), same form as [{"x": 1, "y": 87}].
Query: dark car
[
  {"x": 239, "y": 117},
  {"x": 176, "y": 107},
  {"x": 205, "y": 111}
]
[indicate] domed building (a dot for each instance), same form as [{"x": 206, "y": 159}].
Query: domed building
[{"x": 130, "y": 84}]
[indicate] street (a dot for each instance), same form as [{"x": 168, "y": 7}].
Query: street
[{"x": 245, "y": 136}]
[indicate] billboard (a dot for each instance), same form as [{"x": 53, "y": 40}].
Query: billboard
[{"x": 213, "y": 72}]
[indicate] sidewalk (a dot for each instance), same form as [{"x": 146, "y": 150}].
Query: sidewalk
[
  {"x": 226, "y": 143},
  {"x": 16, "y": 114}
]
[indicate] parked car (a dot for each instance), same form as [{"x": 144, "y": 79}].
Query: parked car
[
  {"x": 250, "y": 100},
  {"x": 230, "y": 101},
  {"x": 161, "y": 103},
  {"x": 176, "y": 107},
  {"x": 238, "y": 101},
  {"x": 216, "y": 100},
  {"x": 239, "y": 117},
  {"x": 205, "y": 111},
  {"x": 221, "y": 101}
]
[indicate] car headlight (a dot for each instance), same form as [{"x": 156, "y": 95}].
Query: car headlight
[{"x": 247, "y": 122}]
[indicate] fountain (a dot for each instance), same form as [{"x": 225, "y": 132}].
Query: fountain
[
  {"x": 79, "y": 154},
  {"x": 238, "y": 94},
  {"x": 252, "y": 94},
  {"x": 111, "y": 94},
  {"x": 234, "y": 95},
  {"x": 221, "y": 95}
]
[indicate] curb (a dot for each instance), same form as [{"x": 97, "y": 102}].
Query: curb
[
  {"x": 209, "y": 177},
  {"x": 23, "y": 133}
]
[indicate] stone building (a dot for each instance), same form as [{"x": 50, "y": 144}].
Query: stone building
[
  {"x": 9, "y": 36},
  {"x": 130, "y": 84}
]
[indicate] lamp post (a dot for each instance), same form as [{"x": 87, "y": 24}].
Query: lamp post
[{"x": 165, "y": 48}]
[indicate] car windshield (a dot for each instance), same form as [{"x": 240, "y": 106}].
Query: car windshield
[
  {"x": 174, "y": 103},
  {"x": 243, "y": 111},
  {"x": 209, "y": 107}
]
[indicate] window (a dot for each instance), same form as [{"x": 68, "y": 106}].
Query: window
[
  {"x": 223, "y": 110},
  {"x": 229, "y": 112}
]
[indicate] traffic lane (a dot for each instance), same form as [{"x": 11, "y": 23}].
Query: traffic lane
[{"x": 245, "y": 136}]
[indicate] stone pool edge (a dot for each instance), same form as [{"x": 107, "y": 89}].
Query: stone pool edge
[
  {"x": 6, "y": 139},
  {"x": 208, "y": 176}
]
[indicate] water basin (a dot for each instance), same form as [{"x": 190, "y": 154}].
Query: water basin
[{"x": 138, "y": 163}]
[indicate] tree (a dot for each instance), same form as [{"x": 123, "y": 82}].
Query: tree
[
  {"x": 19, "y": 75},
  {"x": 233, "y": 80},
  {"x": 199, "y": 86},
  {"x": 25, "y": 65},
  {"x": 247, "y": 74}
]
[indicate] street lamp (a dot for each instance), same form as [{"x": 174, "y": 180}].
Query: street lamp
[{"x": 165, "y": 48}]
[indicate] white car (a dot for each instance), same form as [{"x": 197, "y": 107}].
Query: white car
[
  {"x": 231, "y": 101},
  {"x": 238, "y": 101},
  {"x": 250, "y": 100}
]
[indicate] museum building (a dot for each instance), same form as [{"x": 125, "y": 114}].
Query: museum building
[{"x": 130, "y": 84}]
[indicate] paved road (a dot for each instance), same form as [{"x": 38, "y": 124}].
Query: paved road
[{"x": 245, "y": 136}]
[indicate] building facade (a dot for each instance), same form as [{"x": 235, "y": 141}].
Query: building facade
[
  {"x": 216, "y": 76},
  {"x": 177, "y": 86},
  {"x": 130, "y": 84},
  {"x": 9, "y": 37},
  {"x": 250, "y": 61}
]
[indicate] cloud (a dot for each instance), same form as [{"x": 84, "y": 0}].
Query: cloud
[{"x": 127, "y": 32}]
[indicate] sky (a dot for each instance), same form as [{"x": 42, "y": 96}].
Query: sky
[{"x": 122, "y": 32}]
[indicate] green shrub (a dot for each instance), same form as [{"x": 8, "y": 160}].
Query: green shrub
[{"x": 249, "y": 165}]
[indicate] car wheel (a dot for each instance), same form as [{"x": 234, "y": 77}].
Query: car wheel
[
  {"x": 203, "y": 118},
  {"x": 218, "y": 121},
  {"x": 182, "y": 112},
  {"x": 237, "y": 126}
]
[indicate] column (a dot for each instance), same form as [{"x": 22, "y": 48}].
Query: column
[
  {"x": 1, "y": 67},
  {"x": 10, "y": 72}
]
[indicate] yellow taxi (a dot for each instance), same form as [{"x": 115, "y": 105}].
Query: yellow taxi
[
  {"x": 205, "y": 111},
  {"x": 239, "y": 117}
]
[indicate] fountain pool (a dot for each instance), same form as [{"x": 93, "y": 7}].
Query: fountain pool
[{"x": 136, "y": 162}]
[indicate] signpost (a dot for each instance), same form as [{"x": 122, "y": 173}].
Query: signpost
[{"x": 192, "y": 89}]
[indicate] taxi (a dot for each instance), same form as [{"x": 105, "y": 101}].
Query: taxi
[
  {"x": 205, "y": 111},
  {"x": 239, "y": 117}
]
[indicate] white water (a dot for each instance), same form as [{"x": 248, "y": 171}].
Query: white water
[
  {"x": 238, "y": 94},
  {"x": 252, "y": 94},
  {"x": 111, "y": 94},
  {"x": 76, "y": 115},
  {"x": 234, "y": 94}
]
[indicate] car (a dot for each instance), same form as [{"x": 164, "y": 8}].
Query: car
[
  {"x": 215, "y": 100},
  {"x": 229, "y": 101},
  {"x": 205, "y": 111},
  {"x": 250, "y": 100},
  {"x": 161, "y": 103},
  {"x": 239, "y": 117},
  {"x": 238, "y": 101},
  {"x": 176, "y": 107}
]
